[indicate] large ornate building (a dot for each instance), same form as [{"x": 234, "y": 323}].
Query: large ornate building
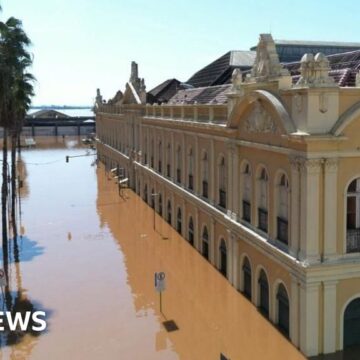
[{"x": 262, "y": 176}]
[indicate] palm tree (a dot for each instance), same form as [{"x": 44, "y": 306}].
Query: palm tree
[
  {"x": 14, "y": 59},
  {"x": 23, "y": 92}
]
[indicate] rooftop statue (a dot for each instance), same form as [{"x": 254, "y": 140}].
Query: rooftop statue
[{"x": 236, "y": 80}]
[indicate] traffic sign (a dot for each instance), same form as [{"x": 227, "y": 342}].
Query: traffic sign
[
  {"x": 160, "y": 281},
  {"x": 2, "y": 278}
]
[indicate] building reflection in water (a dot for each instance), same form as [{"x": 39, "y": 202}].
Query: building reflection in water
[{"x": 211, "y": 315}]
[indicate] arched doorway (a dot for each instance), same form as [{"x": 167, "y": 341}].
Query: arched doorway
[
  {"x": 191, "y": 231},
  {"x": 223, "y": 258},
  {"x": 283, "y": 309},
  {"x": 169, "y": 212},
  {"x": 179, "y": 221},
  {"x": 352, "y": 324},
  {"x": 247, "y": 277},
  {"x": 263, "y": 293},
  {"x": 205, "y": 243}
]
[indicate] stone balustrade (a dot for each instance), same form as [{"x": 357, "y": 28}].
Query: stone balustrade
[{"x": 213, "y": 113}]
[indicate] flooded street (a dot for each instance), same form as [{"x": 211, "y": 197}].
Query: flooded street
[{"x": 88, "y": 258}]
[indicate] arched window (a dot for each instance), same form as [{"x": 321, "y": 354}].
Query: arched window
[
  {"x": 283, "y": 309},
  {"x": 152, "y": 153},
  {"x": 179, "y": 222},
  {"x": 205, "y": 243},
  {"x": 283, "y": 210},
  {"x": 152, "y": 198},
  {"x": 191, "y": 170},
  {"x": 263, "y": 200},
  {"x": 263, "y": 293},
  {"x": 246, "y": 201},
  {"x": 145, "y": 193},
  {"x": 353, "y": 217},
  {"x": 168, "y": 160},
  {"x": 352, "y": 324},
  {"x": 160, "y": 156},
  {"x": 160, "y": 204},
  {"x": 191, "y": 231},
  {"x": 222, "y": 183},
  {"x": 178, "y": 164},
  {"x": 205, "y": 175},
  {"x": 223, "y": 257},
  {"x": 169, "y": 212},
  {"x": 247, "y": 278}
]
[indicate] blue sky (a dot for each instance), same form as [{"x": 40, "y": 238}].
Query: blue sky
[{"x": 80, "y": 45}]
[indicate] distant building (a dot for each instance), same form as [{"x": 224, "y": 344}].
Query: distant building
[
  {"x": 47, "y": 114},
  {"x": 257, "y": 167}
]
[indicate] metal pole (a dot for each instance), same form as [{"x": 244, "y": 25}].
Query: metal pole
[{"x": 160, "y": 302}]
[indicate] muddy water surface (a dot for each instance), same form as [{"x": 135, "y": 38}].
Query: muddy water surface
[{"x": 88, "y": 258}]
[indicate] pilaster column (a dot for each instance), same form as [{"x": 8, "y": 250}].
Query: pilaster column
[
  {"x": 236, "y": 184},
  {"x": 235, "y": 262},
  {"x": 173, "y": 164},
  {"x": 294, "y": 207},
  {"x": 330, "y": 207},
  {"x": 310, "y": 198},
  {"x": 173, "y": 211},
  {"x": 184, "y": 220},
  {"x": 183, "y": 160},
  {"x": 230, "y": 179},
  {"x": 197, "y": 167},
  {"x": 309, "y": 319},
  {"x": 330, "y": 317},
  {"x": 230, "y": 257},
  {"x": 212, "y": 181},
  {"x": 197, "y": 230},
  {"x": 294, "y": 311}
]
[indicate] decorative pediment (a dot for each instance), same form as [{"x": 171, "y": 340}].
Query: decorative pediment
[
  {"x": 260, "y": 121},
  {"x": 267, "y": 65}
]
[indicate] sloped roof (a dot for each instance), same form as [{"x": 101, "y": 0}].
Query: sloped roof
[
  {"x": 344, "y": 67},
  {"x": 212, "y": 73},
  {"x": 48, "y": 113},
  {"x": 164, "y": 91},
  {"x": 202, "y": 95}
]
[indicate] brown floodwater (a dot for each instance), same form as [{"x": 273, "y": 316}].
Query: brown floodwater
[{"x": 88, "y": 257}]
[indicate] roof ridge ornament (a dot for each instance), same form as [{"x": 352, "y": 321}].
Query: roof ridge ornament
[
  {"x": 267, "y": 64},
  {"x": 315, "y": 71}
]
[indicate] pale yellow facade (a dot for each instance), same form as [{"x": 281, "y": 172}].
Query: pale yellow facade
[{"x": 266, "y": 174}]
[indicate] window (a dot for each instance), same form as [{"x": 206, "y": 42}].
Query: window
[
  {"x": 152, "y": 154},
  {"x": 152, "y": 199},
  {"x": 160, "y": 204},
  {"x": 191, "y": 231},
  {"x": 246, "y": 204},
  {"x": 179, "y": 222},
  {"x": 191, "y": 170},
  {"x": 353, "y": 217},
  {"x": 222, "y": 183},
  {"x": 145, "y": 193},
  {"x": 263, "y": 293},
  {"x": 283, "y": 208},
  {"x": 205, "y": 243},
  {"x": 168, "y": 159},
  {"x": 247, "y": 278},
  {"x": 160, "y": 157},
  {"x": 283, "y": 309},
  {"x": 263, "y": 200},
  {"x": 205, "y": 175},
  {"x": 178, "y": 164},
  {"x": 223, "y": 257},
  {"x": 169, "y": 212}
]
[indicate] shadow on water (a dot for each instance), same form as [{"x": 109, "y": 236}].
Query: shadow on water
[{"x": 24, "y": 250}]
